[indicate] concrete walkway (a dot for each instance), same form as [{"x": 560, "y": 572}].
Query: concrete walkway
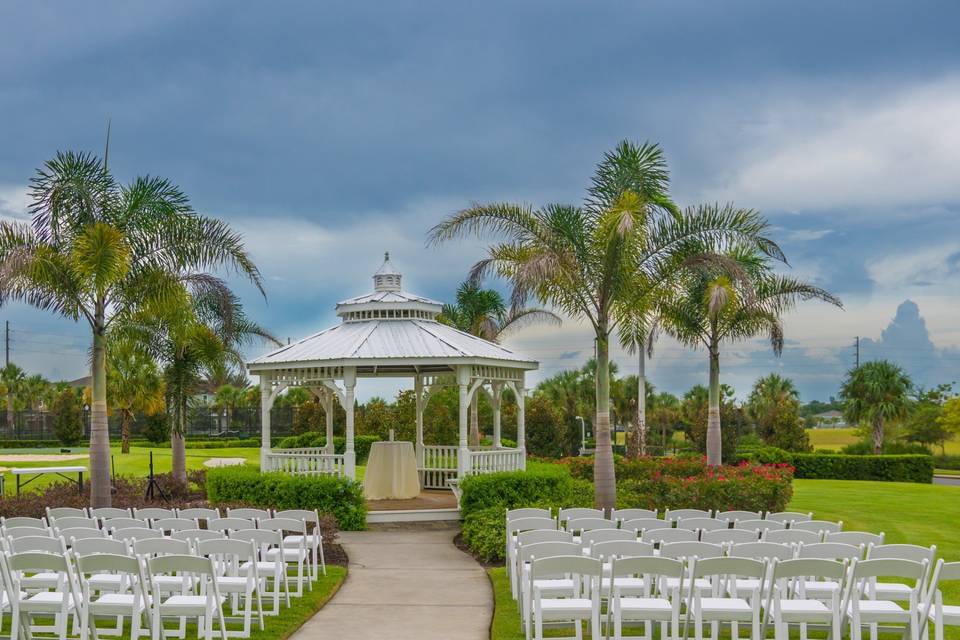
[{"x": 406, "y": 582}]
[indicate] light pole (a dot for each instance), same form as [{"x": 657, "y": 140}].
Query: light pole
[{"x": 583, "y": 434}]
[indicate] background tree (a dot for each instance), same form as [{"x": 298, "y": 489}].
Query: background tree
[
  {"x": 483, "y": 313},
  {"x": 543, "y": 424},
  {"x": 12, "y": 378},
  {"x": 228, "y": 399},
  {"x": 950, "y": 416},
  {"x": 99, "y": 251},
  {"x": 67, "y": 418},
  {"x": 592, "y": 262},
  {"x": 693, "y": 411},
  {"x": 733, "y": 301},
  {"x": 875, "y": 393},
  {"x": 134, "y": 384},
  {"x": 774, "y": 409},
  {"x": 924, "y": 425}
]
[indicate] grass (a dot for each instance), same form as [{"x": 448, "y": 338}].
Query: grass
[
  {"x": 907, "y": 513},
  {"x": 836, "y": 439},
  {"x": 302, "y": 609}
]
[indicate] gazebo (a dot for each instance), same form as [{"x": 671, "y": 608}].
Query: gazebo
[{"x": 392, "y": 333}]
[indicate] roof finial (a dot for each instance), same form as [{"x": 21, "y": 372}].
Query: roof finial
[{"x": 386, "y": 255}]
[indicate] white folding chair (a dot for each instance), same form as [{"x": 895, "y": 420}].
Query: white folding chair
[
  {"x": 193, "y": 536},
  {"x": 552, "y": 585},
  {"x": 106, "y": 582},
  {"x": 43, "y": 580},
  {"x": 791, "y": 536},
  {"x": 642, "y": 524},
  {"x": 821, "y": 589},
  {"x": 27, "y": 532},
  {"x": 153, "y": 513},
  {"x": 532, "y": 537},
  {"x": 136, "y": 533},
  {"x": 313, "y": 538},
  {"x": 65, "y": 512},
  {"x": 638, "y": 593},
  {"x": 297, "y": 556},
  {"x": 934, "y": 610},
  {"x": 661, "y": 536},
  {"x": 864, "y": 608},
  {"x": 107, "y": 513},
  {"x": 789, "y": 517},
  {"x": 593, "y": 536},
  {"x": 187, "y": 603},
  {"x": 525, "y": 512},
  {"x": 736, "y": 514},
  {"x": 228, "y": 556},
  {"x": 726, "y": 602},
  {"x": 729, "y": 536},
  {"x": 702, "y": 524},
  {"x": 267, "y": 570},
  {"x": 856, "y": 538},
  {"x": 125, "y": 600},
  {"x": 685, "y": 552},
  {"x": 174, "y": 524},
  {"x": 589, "y": 524},
  {"x": 74, "y": 522},
  {"x": 577, "y": 513},
  {"x": 788, "y": 601},
  {"x": 80, "y": 533},
  {"x": 60, "y": 601},
  {"x": 231, "y": 524},
  {"x": 622, "y": 515},
  {"x": 888, "y": 590},
  {"x": 198, "y": 513},
  {"x": 126, "y": 522},
  {"x": 672, "y": 515},
  {"x": 817, "y": 526},
  {"x": 514, "y": 527},
  {"x": 584, "y": 604},
  {"x": 764, "y": 552},
  {"x": 759, "y": 525},
  {"x": 23, "y": 521},
  {"x": 250, "y": 514}
]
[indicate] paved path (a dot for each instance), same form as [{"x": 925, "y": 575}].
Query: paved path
[{"x": 406, "y": 583}]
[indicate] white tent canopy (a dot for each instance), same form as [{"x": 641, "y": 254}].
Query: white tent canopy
[{"x": 393, "y": 333}]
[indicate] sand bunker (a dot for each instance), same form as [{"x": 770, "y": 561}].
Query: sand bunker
[
  {"x": 224, "y": 462},
  {"x": 41, "y": 457}
]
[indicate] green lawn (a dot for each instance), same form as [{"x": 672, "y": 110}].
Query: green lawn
[
  {"x": 836, "y": 439},
  {"x": 912, "y": 513}
]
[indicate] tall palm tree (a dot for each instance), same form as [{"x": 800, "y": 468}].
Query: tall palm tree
[
  {"x": 134, "y": 384},
  {"x": 228, "y": 398},
  {"x": 729, "y": 302},
  {"x": 591, "y": 262},
  {"x": 99, "y": 251},
  {"x": 12, "y": 378},
  {"x": 876, "y": 392},
  {"x": 482, "y": 312}
]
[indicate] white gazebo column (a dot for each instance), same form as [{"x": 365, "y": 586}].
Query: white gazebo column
[
  {"x": 328, "y": 413},
  {"x": 521, "y": 423},
  {"x": 349, "y": 456},
  {"x": 495, "y": 395},
  {"x": 463, "y": 455},
  {"x": 419, "y": 403},
  {"x": 266, "y": 403}
]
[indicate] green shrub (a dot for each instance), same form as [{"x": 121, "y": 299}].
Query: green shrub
[
  {"x": 946, "y": 462},
  {"x": 895, "y": 468},
  {"x": 156, "y": 428},
  {"x": 67, "y": 418},
  {"x": 539, "y": 485},
  {"x": 342, "y": 498},
  {"x": 484, "y": 533},
  {"x": 311, "y": 439},
  {"x": 891, "y": 447}
]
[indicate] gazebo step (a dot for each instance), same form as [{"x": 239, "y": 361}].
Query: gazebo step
[{"x": 412, "y": 515}]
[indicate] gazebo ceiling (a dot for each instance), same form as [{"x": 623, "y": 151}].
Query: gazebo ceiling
[{"x": 390, "y": 332}]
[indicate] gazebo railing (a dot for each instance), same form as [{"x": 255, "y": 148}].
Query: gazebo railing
[
  {"x": 491, "y": 461},
  {"x": 439, "y": 465},
  {"x": 306, "y": 462}
]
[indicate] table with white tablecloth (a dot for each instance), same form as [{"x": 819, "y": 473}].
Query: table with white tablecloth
[{"x": 391, "y": 472}]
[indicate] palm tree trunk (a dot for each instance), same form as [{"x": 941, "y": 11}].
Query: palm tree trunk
[
  {"x": 642, "y": 402},
  {"x": 125, "y": 432},
  {"x": 475, "y": 420},
  {"x": 99, "y": 431},
  {"x": 714, "y": 447},
  {"x": 604, "y": 476},
  {"x": 878, "y": 435},
  {"x": 178, "y": 445}
]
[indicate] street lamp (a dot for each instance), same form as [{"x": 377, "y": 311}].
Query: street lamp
[{"x": 583, "y": 434}]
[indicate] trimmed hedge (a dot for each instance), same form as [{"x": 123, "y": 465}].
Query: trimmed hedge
[
  {"x": 838, "y": 466},
  {"x": 361, "y": 444},
  {"x": 946, "y": 462},
  {"x": 539, "y": 485},
  {"x": 342, "y": 498}
]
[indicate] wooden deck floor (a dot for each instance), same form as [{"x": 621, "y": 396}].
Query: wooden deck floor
[{"x": 428, "y": 499}]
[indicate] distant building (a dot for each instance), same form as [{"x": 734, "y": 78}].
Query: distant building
[{"x": 832, "y": 419}]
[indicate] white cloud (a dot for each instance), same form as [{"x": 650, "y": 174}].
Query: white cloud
[
  {"x": 915, "y": 266},
  {"x": 880, "y": 151},
  {"x": 13, "y": 202}
]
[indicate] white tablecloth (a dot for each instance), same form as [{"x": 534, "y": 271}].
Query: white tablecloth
[{"x": 391, "y": 472}]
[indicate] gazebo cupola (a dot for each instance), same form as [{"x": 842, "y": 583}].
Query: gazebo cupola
[{"x": 390, "y": 332}]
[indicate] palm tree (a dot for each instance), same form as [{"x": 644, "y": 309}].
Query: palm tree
[
  {"x": 34, "y": 389},
  {"x": 876, "y": 392},
  {"x": 99, "y": 251},
  {"x": 134, "y": 384},
  {"x": 592, "y": 262},
  {"x": 12, "y": 378},
  {"x": 482, "y": 312},
  {"x": 228, "y": 398},
  {"x": 730, "y": 302}
]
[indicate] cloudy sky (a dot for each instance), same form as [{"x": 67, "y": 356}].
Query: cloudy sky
[{"x": 330, "y": 132}]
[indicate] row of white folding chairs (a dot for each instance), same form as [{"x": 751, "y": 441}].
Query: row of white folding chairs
[
  {"x": 669, "y": 515},
  {"x": 153, "y": 578},
  {"x": 731, "y": 590}
]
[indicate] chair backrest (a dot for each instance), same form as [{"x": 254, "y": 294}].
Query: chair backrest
[
  {"x": 543, "y": 535},
  {"x": 512, "y": 514},
  {"x": 88, "y": 546},
  {"x": 817, "y": 526},
  {"x": 290, "y": 525},
  {"x": 737, "y": 514},
  {"x": 729, "y": 566},
  {"x": 640, "y": 524},
  {"x": 546, "y": 550},
  {"x": 249, "y": 513},
  {"x": 28, "y": 532},
  {"x": 649, "y": 566},
  {"x": 65, "y": 512},
  {"x": 136, "y": 533},
  {"x": 308, "y": 517},
  {"x": 37, "y": 562},
  {"x": 672, "y": 515},
  {"x": 621, "y": 549},
  {"x": 106, "y": 513},
  {"x": 590, "y": 538},
  {"x": 181, "y": 564},
  {"x": 668, "y": 535},
  {"x": 161, "y": 546},
  {"x": 702, "y": 524},
  {"x": 111, "y": 524},
  {"x": 23, "y": 521},
  {"x": 685, "y": 550},
  {"x": 36, "y": 543},
  {"x": 589, "y": 524},
  {"x": 230, "y": 524},
  {"x": 194, "y": 535},
  {"x": 762, "y": 551},
  {"x": 855, "y": 538},
  {"x": 95, "y": 563},
  {"x": 576, "y": 513},
  {"x": 264, "y": 539},
  {"x": 222, "y": 547},
  {"x": 791, "y": 536},
  {"x": 153, "y": 513},
  {"x": 729, "y": 536},
  {"x": 759, "y": 525},
  {"x": 808, "y": 568},
  {"x": 889, "y": 568},
  {"x": 198, "y": 513},
  {"x": 71, "y": 522},
  {"x": 622, "y": 515},
  {"x": 830, "y": 551},
  {"x": 912, "y": 552},
  {"x": 174, "y": 524},
  {"x": 75, "y": 533},
  {"x": 789, "y": 516},
  {"x": 574, "y": 565}
]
